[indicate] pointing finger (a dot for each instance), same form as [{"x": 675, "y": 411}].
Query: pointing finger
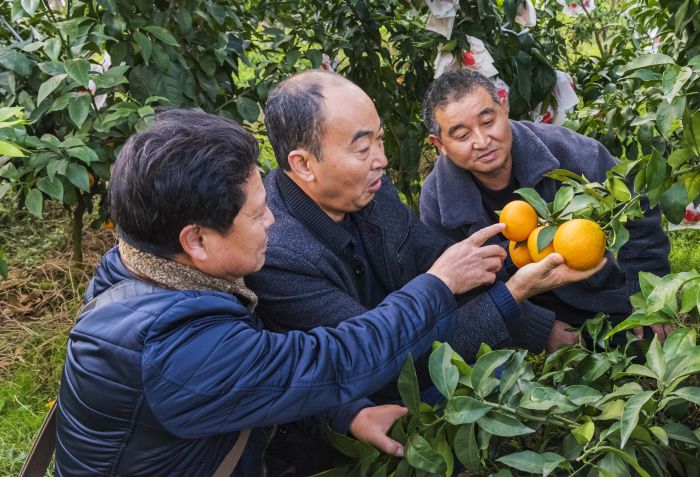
[{"x": 481, "y": 236}]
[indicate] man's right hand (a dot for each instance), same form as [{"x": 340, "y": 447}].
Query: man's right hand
[
  {"x": 549, "y": 273},
  {"x": 466, "y": 265}
]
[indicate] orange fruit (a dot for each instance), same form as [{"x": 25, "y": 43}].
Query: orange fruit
[
  {"x": 91, "y": 179},
  {"x": 532, "y": 246},
  {"x": 581, "y": 242},
  {"x": 519, "y": 256},
  {"x": 520, "y": 219}
]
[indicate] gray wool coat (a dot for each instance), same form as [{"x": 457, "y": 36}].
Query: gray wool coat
[
  {"x": 311, "y": 277},
  {"x": 451, "y": 202}
]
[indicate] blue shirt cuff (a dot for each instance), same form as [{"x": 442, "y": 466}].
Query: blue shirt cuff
[
  {"x": 340, "y": 418},
  {"x": 507, "y": 306}
]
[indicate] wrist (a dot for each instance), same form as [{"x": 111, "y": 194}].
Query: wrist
[{"x": 515, "y": 290}]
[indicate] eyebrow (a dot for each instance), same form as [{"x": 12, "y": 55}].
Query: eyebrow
[
  {"x": 483, "y": 112},
  {"x": 364, "y": 132}
]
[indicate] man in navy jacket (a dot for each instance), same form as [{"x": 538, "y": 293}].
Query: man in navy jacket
[
  {"x": 343, "y": 240},
  {"x": 484, "y": 158},
  {"x": 168, "y": 364}
]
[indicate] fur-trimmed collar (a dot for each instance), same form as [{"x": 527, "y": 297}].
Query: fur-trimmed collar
[{"x": 176, "y": 276}]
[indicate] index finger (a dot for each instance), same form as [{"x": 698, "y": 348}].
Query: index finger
[{"x": 481, "y": 236}]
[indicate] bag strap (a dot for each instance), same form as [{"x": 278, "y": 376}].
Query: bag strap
[
  {"x": 229, "y": 463},
  {"x": 39, "y": 456}
]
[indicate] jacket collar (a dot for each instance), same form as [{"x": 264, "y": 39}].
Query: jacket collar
[
  {"x": 307, "y": 212},
  {"x": 531, "y": 160}
]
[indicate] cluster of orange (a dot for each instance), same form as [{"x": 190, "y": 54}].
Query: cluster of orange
[{"x": 580, "y": 241}]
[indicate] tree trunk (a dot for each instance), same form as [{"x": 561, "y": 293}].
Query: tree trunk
[{"x": 77, "y": 231}]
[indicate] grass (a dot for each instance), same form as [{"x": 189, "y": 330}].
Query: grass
[{"x": 40, "y": 300}]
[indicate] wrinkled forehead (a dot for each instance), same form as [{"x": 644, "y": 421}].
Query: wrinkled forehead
[{"x": 348, "y": 110}]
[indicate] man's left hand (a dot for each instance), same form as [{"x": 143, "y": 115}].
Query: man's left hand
[
  {"x": 371, "y": 424},
  {"x": 661, "y": 332}
]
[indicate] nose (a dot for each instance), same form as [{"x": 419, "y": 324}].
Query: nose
[
  {"x": 269, "y": 218},
  {"x": 379, "y": 161},
  {"x": 481, "y": 139}
]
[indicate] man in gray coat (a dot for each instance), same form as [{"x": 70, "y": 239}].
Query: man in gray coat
[{"x": 485, "y": 157}]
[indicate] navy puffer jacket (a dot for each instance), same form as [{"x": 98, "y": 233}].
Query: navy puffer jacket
[{"x": 161, "y": 384}]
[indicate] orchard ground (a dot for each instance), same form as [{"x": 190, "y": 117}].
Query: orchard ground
[{"x": 39, "y": 303}]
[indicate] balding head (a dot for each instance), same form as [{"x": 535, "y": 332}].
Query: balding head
[{"x": 295, "y": 112}]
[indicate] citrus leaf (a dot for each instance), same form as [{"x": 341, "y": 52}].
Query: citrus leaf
[
  {"x": 500, "y": 424},
  {"x": 48, "y": 86},
  {"x": 30, "y": 6},
  {"x": 630, "y": 414},
  {"x": 442, "y": 372},
  {"x": 79, "y": 70},
  {"x": 52, "y": 187},
  {"x": 532, "y": 462},
  {"x": 248, "y": 109},
  {"x": 79, "y": 108},
  {"x": 78, "y": 176},
  {"x": 145, "y": 45},
  {"x": 545, "y": 237},
  {"x": 673, "y": 202},
  {"x": 483, "y": 369},
  {"x": 162, "y": 34},
  {"x": 422, "y": 456},
  {"x": 690, "y": 394},
  {"x": 584, "y": 433},
  {"x": 408, "y": 386},
  {"x": 466, "y": 448},
  {"x": 34, "y": 202},
  {"x": 533, "y": 198},
  {"x": 10, "y": 150},
  {"x": 563, "y": 197},
  {"x": 645, "y": 61},
  {"x": 465, "y": 410}
]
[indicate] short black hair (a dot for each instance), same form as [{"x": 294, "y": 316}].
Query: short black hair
[
  {"x": 294, "y": 114},
  {"x": 450, "y": 87},
  {"x": 188, "y": 167}
]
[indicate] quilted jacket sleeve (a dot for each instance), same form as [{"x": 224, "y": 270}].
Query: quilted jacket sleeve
[{"x": 207, "y": 372}]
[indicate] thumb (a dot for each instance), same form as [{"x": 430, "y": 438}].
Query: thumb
[
  {"x": 389, "y": 446},
  {"x": 552, "y": 261}
]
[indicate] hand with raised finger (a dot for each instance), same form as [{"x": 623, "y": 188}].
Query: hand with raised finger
[
  {"x": 469, "y": 264},
  {"x": 371, "y": 425},
  {"x": 550, "y": 272}
]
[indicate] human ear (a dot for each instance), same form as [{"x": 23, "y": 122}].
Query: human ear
[
  {"x": 193, "y": 244},
  {"x": 504, "y": 103},
  {"x": 300, "y": 164},
  {"x": 435, "y": 140}
]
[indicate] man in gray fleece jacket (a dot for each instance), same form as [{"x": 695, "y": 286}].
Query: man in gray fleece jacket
[{"x": 484, "y": 158}]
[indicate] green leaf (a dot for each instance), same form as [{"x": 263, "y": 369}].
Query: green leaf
[
  {"x": 52, "y": 187},
  {"x": 466, "y": 448},
  {"x": 10, "y": 150},
  {"x": 660, "y": 434},
  {"x": 408, "y": 386},
  {"x": 630, "y": 415},
  {"x": 638, "y": 319},
  {"x": 500, "y": 424},
  {"x": 4, "y": 188},
  {"x": 584, "y": 433},
  {"x": 83, "y": 153},
  {"x": 678, "y": 432},
  {"x": 618, "y": 189},
  {"x": 656, "y": 359},
  {"x": 30, "y": 6},
  {"x": 580, "y": 395},
  {"x": 621, "y": 236},
  {"x": 34, "y": 202},
  {"x": 532, "y": 462},
  {"x": 545, "y": 237},
  {"x": 465, "y": 410},
  {"x": 79, "y": 108},
  {"x": 162, "y": 34},
  {"x": 78, "y": 176},
  {"x": 484, "y": 367},
  {"x": 543, "y": 398},
  {"x": 79, "y": 70},
  {"x": 512, "y": 372},
  {"x": 533, "y": 198},
  {"x": 669, "y": 114},
  {"x": 422, "y": 456},
  {"x": 111, "y": 77},
  {"x": 690, "y": 297},
  {"x": 442, "y": 372},
  {"x": 645, "y": 61},
  {"x": 563, "y": 197},
  {"x": 690, "y": 394},
  {"x": 673, "y": 202},
  {"x": 4, "y": 272},
  {"x": 52, "y": 48},
  {"x": 48, "y": 86},
  {"x": 144, "y": 45},
  {"x": 248, "y": 109}
]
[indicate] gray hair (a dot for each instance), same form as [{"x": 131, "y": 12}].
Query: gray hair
[{"x": 452, "y": 87}]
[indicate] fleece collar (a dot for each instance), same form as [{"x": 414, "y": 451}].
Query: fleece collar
[
  {"x": 176, "y": 276},
  {"x": 531, "y": 160}
]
